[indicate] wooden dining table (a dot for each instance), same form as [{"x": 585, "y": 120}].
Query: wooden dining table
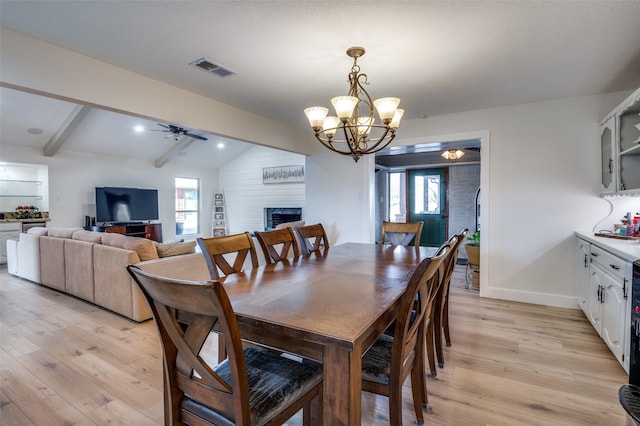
[{"x": 329, "y": 306}]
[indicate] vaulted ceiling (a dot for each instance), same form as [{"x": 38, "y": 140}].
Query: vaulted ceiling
[{"x": 438, "y": 56}]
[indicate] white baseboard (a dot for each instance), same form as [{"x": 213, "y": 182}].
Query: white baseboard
[{"x": 546, "y": 299}]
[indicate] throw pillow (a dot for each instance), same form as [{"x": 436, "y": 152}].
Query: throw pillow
[
  {"x": 175, "y": 249},
  {"x": 38, "y": 230}
]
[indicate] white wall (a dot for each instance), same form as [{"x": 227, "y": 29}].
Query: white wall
[
  {"x": 245, "y": 194},
  {"x": 73, "y": 178}
]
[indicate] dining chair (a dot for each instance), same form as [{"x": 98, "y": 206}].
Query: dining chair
[
  {"x": 442, "y": 306},
  {"x": 250, "y": 387},
  {"x": 214, "y": 251},
  {"x": 312, "y": 238},
  {"x": 401, "y": 233},
  {"x": 462, "y": 236},
  {"x": 219, "y": 251},
  {"x": 277, "y": 245},
  {"x": 391, "y": 359}
]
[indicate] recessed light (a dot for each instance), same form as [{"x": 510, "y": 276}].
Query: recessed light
[
  {"x": 138, "y": 129},
  {"x": 34, "y": 131},
  {"x": 220, "y": 145}
]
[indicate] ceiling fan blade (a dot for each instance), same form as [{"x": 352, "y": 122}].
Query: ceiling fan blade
[
  {"x": 163, "y": 125},
  {"x": 193, "y": 135}
]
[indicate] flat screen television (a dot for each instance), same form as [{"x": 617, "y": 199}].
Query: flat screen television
[{"x": 126, "y": 205}]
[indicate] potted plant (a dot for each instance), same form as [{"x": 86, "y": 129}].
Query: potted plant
[{"x": 472, "y": 247}]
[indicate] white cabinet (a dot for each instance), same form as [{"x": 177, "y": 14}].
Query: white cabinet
[
  {"x": 8, "y": 231},
  {"x": 582, "y": 272},
  {"x": 603, "y": 287},
  {"x": 607, "y": 148},
  {"x": 620, "y": 145}
]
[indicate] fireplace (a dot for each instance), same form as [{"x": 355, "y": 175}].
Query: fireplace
[{"x": 273, "y": 216}]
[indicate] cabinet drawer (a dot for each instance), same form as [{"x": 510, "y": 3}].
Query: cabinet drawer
[
  {"x": 10, "y": 227},
  {"x": 612, "y": 264}
]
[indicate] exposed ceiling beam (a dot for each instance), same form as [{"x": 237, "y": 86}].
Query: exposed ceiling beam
[
  {"x": 62, "y": 134},
  {"x": 183, "y": 143}
]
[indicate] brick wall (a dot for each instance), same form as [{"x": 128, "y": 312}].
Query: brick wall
[{"x": 464, "y": 181}]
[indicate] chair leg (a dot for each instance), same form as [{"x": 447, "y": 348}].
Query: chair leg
[
  {"x": 312, "y": 412},
  {"x": 445, "y": 322},
  {"x": 419, "y": 388},
  {"x": 430, "y": 350},
  {"x": 437, "y": 334},
  {"x": 395, "y": 406}
]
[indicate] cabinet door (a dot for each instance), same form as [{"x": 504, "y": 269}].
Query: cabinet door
[
  {"x": 613, "y": 316},
  {"x": 594, "y": 296},
  {"x": 607, "y": 136},
  {"x": 582, "y": 273}
]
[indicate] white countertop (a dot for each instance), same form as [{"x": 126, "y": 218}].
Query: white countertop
[{"x": 629, "y": 250}]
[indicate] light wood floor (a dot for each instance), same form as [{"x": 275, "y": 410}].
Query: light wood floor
[{"x": 66, "y": 362}]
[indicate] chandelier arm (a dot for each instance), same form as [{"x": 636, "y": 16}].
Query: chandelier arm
[
  {"x": 329, "y": 145},
  {"x": 381, "y": 139}
]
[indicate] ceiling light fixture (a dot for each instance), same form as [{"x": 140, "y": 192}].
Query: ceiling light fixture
[
  {"x": 452, "y": 154},
  {"x": 355, "y": 117}
]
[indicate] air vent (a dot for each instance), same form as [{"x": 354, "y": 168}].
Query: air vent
[{"x": 208, "y": 66}]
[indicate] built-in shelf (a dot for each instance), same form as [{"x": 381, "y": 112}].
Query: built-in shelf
[
  {"x": 634, "y": 150},
  {"x": 37, "y": 197},
  {"x": 37, "y": 182}
]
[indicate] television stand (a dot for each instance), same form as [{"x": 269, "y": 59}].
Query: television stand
[{"x": 150, "y": 231}]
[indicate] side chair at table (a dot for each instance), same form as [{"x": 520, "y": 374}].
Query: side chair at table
[
  {"x": 386, "y": 365},
  {"x": 250, "y": 387},
  {"x": 214, "y": 251},
  {"x": 217, "y": 250},
  {"x": 277, "y": 245},
  {"x": 401, "y": 233},
  {"x": 312, "y": 238},
  {"x": 462, "y": 236}
]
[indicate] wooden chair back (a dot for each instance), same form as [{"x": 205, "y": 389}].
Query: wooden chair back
[
  {"x": 207, "y": 304},
  {"x": 219, "y": 251},
  {"x": 312, "y": 238},
  {"x": 401, "y": 233},
  {"x": 277, "y": 245},
  {"x": 408, "y": 341},
  {"x": 238, "y": 391}
]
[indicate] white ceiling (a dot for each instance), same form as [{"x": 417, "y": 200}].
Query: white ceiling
[{"x": 438, "y": 56}]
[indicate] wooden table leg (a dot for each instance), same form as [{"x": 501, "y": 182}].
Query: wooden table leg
[{"x": 342, "y": 386}]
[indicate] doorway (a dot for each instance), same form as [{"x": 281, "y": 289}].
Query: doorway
[{"x": 397, "y": 166}]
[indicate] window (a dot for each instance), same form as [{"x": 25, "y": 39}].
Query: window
[
  {"x": 397, "y": 197},
  {"x": 187, "y": 206},
  {"x": 427, "y": 194}
]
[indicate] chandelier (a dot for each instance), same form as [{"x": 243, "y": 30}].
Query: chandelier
[
  {"x": 452, "y": 154},
  {"x": 357, "y": 131}
]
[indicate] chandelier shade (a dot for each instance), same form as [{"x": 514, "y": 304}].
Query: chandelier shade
[{"x": 354, "y": 130}]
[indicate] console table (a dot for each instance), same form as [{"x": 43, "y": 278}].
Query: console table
[{"x": 150, "y": 231}]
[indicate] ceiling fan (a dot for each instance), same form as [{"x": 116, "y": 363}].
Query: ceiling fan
[{"x": 176, "y": 132}]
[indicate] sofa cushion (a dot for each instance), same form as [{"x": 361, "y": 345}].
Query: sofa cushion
[
  {"x": 78, "y": 268},
  {"x": 112, "y": 239},
  {"x": 87, "y": 236},
  {"x": 146, "y": 249},
  {"x": 114, "y": 288},
  {"x": 175, "y": 249},
  {"x": 38, "y": 230},
  {"x": 61, "y": 232}
]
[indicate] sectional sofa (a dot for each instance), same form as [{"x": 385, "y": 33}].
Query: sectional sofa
[{"x": 91, "y": 265}]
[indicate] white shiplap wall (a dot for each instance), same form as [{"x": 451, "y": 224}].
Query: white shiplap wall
[{"x": 245, "y": 194}]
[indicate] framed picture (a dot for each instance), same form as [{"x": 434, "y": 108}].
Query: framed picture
[
  {"x": 218, "y": 224},
  {"x": 218, "y": 202},
  {"x": 219, "y": 232},
  {"x": 219, "y": 216},
  {"x": 218, "y": 196},
  {"x": 283, "y": 174},
  {"x": 219, "y": 210}
]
